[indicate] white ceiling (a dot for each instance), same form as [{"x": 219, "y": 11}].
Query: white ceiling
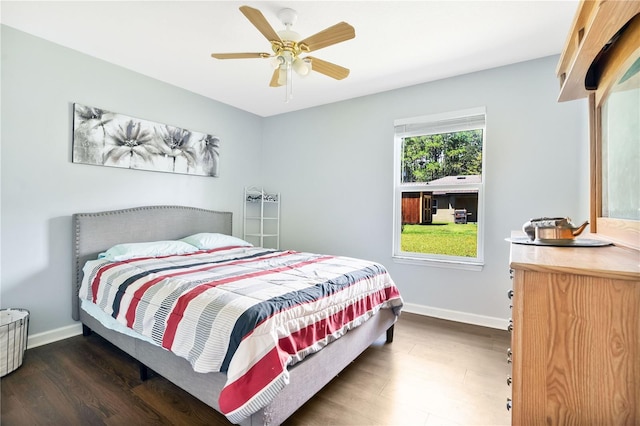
[{"x": 397, "y": 44}]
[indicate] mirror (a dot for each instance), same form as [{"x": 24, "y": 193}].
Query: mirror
[{"x": 620, "y": 144}]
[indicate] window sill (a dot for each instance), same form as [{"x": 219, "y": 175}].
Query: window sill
[{"x": 449, "y": 264}]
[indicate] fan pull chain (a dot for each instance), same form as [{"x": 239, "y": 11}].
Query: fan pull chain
[{"x": 289, "y": 84}]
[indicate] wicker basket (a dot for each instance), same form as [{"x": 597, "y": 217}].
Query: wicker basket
[{"x": 14, "y": 327}]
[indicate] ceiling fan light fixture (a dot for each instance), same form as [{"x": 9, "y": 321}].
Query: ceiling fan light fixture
[
  {"x": 276, "y": 61},
  {"x": 302, "y": 67}
]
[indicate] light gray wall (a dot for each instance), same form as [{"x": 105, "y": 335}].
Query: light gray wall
[
  {"x": 332, "y": 164},
  {"x": 41, "y": 188},
  {"x": 334, "y": 168}
]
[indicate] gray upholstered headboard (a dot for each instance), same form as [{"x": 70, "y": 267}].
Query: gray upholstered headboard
[{"x": 94, "y": 233}]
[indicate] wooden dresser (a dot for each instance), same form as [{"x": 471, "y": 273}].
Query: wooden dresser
[
  {"x": 575, "y": 335},
  {"x": 575, "y": 343}
]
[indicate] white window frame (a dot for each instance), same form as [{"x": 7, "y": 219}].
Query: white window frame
[{"x": 454, "y": 121}]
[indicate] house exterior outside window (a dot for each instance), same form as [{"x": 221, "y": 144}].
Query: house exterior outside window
[{"x": 438, "y": 189}]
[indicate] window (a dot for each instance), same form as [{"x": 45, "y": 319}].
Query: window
[{"x": 438, "y": 189}]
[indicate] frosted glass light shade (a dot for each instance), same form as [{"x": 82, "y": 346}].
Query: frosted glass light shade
[{"x": 301, "y": 67}]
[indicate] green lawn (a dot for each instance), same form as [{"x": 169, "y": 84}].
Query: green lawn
[{"x": 453, "y": 239}]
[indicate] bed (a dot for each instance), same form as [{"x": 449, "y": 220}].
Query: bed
[{"x": 302, "y": 376}]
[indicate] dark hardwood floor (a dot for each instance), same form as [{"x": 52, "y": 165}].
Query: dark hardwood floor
[{"x": 435, "y": 372}]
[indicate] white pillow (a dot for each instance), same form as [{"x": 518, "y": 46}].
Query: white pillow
[
  {"x": 210, "y": 240},
  {"x": 126, "y": 251}
]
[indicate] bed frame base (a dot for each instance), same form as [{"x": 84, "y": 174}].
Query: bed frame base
[
  {"x": 306, "y": 378},
  {"x": 144, "y": 370}
]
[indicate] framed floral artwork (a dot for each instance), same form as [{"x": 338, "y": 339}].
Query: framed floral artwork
[{"x": 110, "y": 139}]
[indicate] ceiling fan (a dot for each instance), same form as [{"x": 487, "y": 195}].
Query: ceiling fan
[{"x": 288, "y": 47}]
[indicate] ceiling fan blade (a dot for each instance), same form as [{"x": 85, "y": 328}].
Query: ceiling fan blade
[
  {"x": 328, "y": 68},
  {"x": 338, "y": 33},
  {"x": 274, "y": 78},
  {"x": 239, "y": 55},
  {"x": 260, "y": 22}
]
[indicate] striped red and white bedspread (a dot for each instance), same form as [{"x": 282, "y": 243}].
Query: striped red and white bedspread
[{"x": 247, "y": 311}]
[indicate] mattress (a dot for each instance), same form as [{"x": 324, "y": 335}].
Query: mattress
[{"x": 249, "y": 312}]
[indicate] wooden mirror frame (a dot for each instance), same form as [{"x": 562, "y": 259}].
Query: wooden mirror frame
[
  {"x": 623, "y": 54},
  {"x": 595, "y": 25}
]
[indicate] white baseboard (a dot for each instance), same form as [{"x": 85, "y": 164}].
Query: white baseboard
[
  {"x": 464, "y": 317},
  {"x": 39, "y": 339}
]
